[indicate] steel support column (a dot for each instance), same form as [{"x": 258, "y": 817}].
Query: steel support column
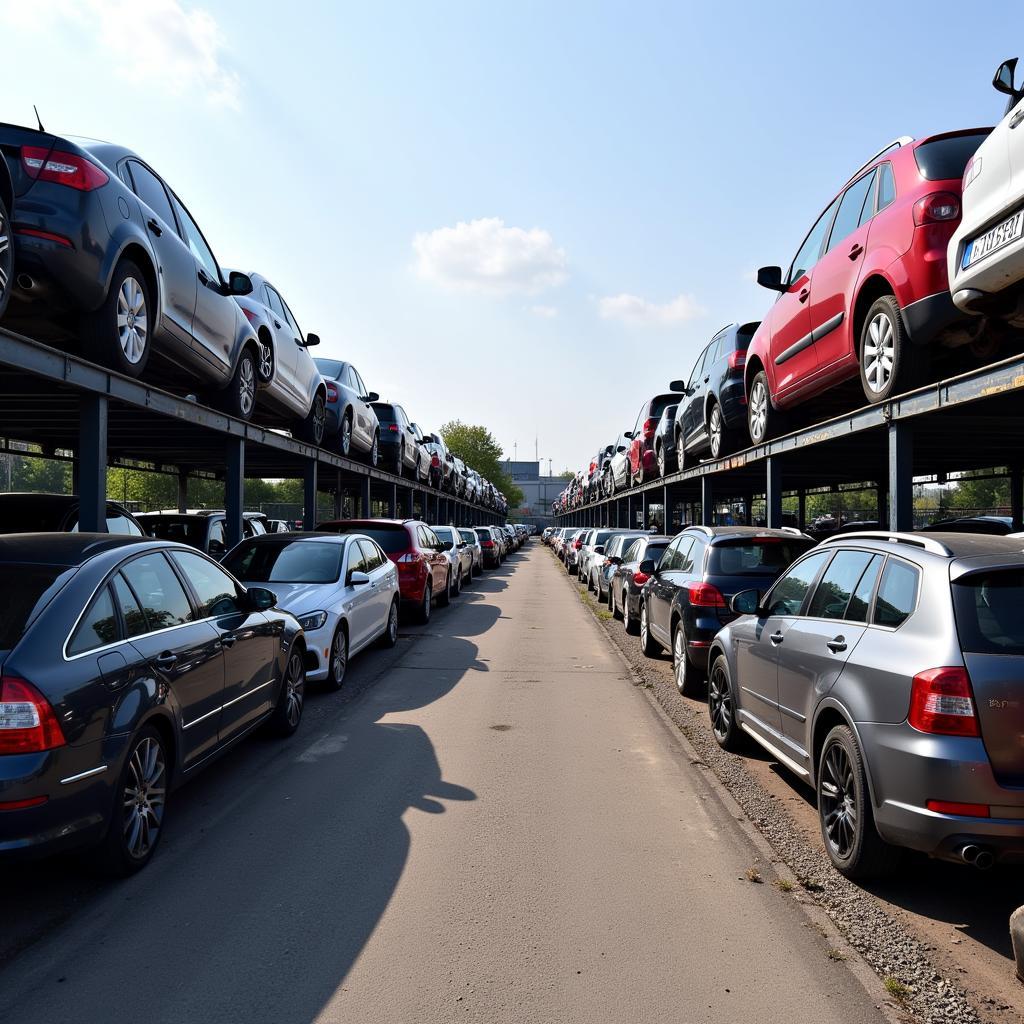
[
  {"x": 309, "y": 471},
  {"x": 234, "y": 489},
  {"x": 801, "y": 509},
  {"x": 707, "y": 502},
  {"x": 92, "y": 463},
  {"x": 666, "y": 511},
  {"x": 364, "y": 497},
  {"x": 901, "y": 476},
  {"x": 630, "y": 521},
  {"x": 338, "y": 495},
  {"x": 773, "y": 492},
  {"x": 645, "y": 513},
  {"x": 393, "y": 502},
  {"x": 882, "y": 492},
  {"x": 182, "y": 489}
]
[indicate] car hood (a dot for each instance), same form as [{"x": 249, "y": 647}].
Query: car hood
[{"x": 299, "y": 598}]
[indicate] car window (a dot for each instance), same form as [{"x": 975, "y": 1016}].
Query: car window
[
  {"x": 218, "y": 537},
  {"x": 670, "y": 556},
  {"x": 848, "y": 215},
  {"x": 809, "y": 252},
  {"x": 356, "y": 558},
  {"x": 987, "y": 606},
  {"x": 632, "y": 553},
  {"x": 214, "y": 588},
  {"x": 787, "y": 596},
  {"x": 360, "y": 386},
  {"x": 886, "y": 186},
  {"x": 695, "y": 556},
  {"x": 834, "y": 590},
  {"x": 290, "y": 317},
  {"x": 159, "y": 591},
  {"x": 196, "y": 243},
  {"x": 118, "y": 523},
  {"x": 98, "y": 626},
  {"x": 943, "y": 159},
  {"x": 131, "y": 612},
  {"x": 150, "y": 189},
  {"x": 698, "y": 369},
  {"x": 373, "y": 557},
  {"x": 275, "y": 301},
  {"x": 861, "y": 600},
  {"x": 897, "y": 593},
  {"x": 868, "y": 209},
  {"x": 640, "y": 420}
]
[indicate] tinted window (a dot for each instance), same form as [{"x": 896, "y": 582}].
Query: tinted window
[
  {"x": 848, "y": 216},
  {"x": 360, "y": 386},
  {"x": 159, "y": 591},
  {"x": 811, "y": 249},
  {"x": 897, "y": 593},
  {"x": 868, "y": 210},
  {"x": 196, "y": 243},
  {"x": 218, "y": 537},
  {"x": 671, "y": 557},
  {"x": 861, "y": 600},
  {"x": 150, "y": 189},
  {"x": 946, "y": 158},
  {"x": 24, "y": 589},
  {"x": 131, "y": 613},
  {"x": 694, "y": 559},
  {"x": 886, "y": 186},
  {"x": 118, "y": 523},
  {"x": 445, "y": 534},
  {"x": 653, "y": 550},
  {"x": 356, "y": 558},
  {"x": 98, "y": 627},
  {"x": 373, "y": 557},
  {"x": 659, "y": 404},
  {"x": 788, "y": 596},
  {"x": 833, "y": 593},
  {"x": 385, "y": 413},
  {"x": 216, "y": 590},
  {"x": 274, "y": 300},
  {"x": 988, "y": 612},
  {"x": 295, "y": 561},
  {"x": 765, "y": 557},
  {"x": 183, "y": 529}
]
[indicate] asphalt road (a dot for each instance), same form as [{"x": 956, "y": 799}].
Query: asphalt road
[{"x": 493, "y": 825}]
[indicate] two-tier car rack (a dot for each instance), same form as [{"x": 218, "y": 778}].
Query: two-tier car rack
[{"x": 63, "y": 403}]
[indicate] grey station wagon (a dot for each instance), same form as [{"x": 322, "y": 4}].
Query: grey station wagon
[{"x": 887, "y": 671}]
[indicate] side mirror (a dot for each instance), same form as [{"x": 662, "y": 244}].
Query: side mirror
[
  {"x": 216, "y": 547},
  {"x": 599, "y": 550},
  {"x": 771, "y": 278},
  {"x": 1004, "y": 77},
  {"x": 608, "y": 450},
  {"x": 311, "y": 340},
  {"x": 648, "y": 567},
  {"x": 614, "y": 560},
  {"x": 620, "y": 449},
  {"x": 239, "y": 283},
  {"x": 746, "y": 602},
  {"x": 260, "y": 599},
  {"x": 446, "y": 545},
  {"x": 463, "y": 544},
  {"x": 629, "y": 434},
  {"x": 678, "y": 386},
  {"x": 357, "y": 578}
]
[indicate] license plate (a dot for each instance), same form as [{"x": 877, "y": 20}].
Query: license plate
[{"x": 1002, "y": 234}]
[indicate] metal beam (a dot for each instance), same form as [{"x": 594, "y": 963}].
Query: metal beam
[
  {"x": 309, "y": 489},
  {"x": 234, "y": 489},
  {"x": 901, "y": 476},
  {"x": 707, "y": 502},
  {"x": 773, "y": 492},
  {"x": 364, "y": 498},
  {"x": 92, "y": 464}
]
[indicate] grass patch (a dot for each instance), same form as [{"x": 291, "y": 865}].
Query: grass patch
[
  {"x": 835, "y": 955},
  {"x": 604, "y": 615},
  {"x": 753, "y": 875},
  {"x": 896, "y": 988},
  {"x": 784, "y": 885}
]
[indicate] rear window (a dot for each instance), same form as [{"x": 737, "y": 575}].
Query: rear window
[
  {"x": 385, "y": 413},
  {"x": 183, "y": 529},
  {"x": 483, "y": 534},
  {"x": 393, "y": 539},
  {"x": 24, "y": 590},
  {"x": 659, "y": 404},
  {"x": 946, "y": 158},
  {"x": 743, "y": 337},
  {"x": 330, "y": 368},
  {"x": 989, "y": 610},
  {"x": 297, "y": 561},
  {"x": 767, "y": 557}
]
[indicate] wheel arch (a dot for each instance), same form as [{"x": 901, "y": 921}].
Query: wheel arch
[
  {"x": 829, "y": 714},
  {"x": 140, "y": 256},
  {"x": 754, "y": 367},
  {"x": 6, "y": 188},
  {"x": 162, "y": 721},
  {"x": 872, "y": 288}
]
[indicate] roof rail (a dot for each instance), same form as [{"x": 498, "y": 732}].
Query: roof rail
[
  {"x": 916, "y": 540},
  {"x": 903, "y": 140}
]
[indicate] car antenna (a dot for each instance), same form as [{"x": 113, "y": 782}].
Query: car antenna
[{"x": 39, "y": 120}]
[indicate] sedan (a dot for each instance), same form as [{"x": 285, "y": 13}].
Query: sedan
[
  {"x": 475, "y": 550},
  {"x": 350, "y": 414}
]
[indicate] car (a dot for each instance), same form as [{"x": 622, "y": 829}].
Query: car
[
  {"x": 128, "y": 665},
  {"x": 459, "y": 554},
  {"x": 616, "y": 471},
  {"x": 628, "y": 579},
  {"x": 424, "y": 571},
  {"x": 642, "y": 462},
  {"x": 290, "y": 390},
  {"x": 475, "y": 550},
  {"x": 459, "y": 473},
  {"x": 400, "y": 449},
  {"x": 490, "y": 546},
  {"x": 605, "y": 562},
  {"x": 685, "y": 601},
  {"x": 441, "y": 462},
  {"x": 107, "y": 256},
  {"x": 713, "y": 412},
  {"x": 592, "y": 539},
  {"x": 665, "y": 441},
  {"x": 425, "y": 461},
  {"x": 342, "y": 589},
  {"x": 994, "y": 526},
  {"x": 278, "y": 526},
  {"x": 867, "y": 293},
  {"x": 882, "y": 670},
  {"x": 473, "y": 486},
  {"x": 203, "y": 530},
  {"x": 351, "y": 417},
  {"x": 37, "y": 512},
  {"x": 985, "y": 255}
]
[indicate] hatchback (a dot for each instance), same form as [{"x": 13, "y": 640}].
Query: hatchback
[
  {"x": 885, "y": 670},
  {"x": 205, "y": 531},
  {"x": 606, "y": 562},
  {"x": 642, "y": 460},
  {"x": 490, "y": 547},
  {"x": 400, "y": 449},
  {"x": 459, "y": 555},
  {"x": 628, "y": 580},
  {"x": 476, "y": 551}
]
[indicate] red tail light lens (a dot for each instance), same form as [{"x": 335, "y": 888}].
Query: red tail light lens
[
  {"x": 28, "y": 724},
  {"x": 965, "y": 810},
  {"x": 252, "y": 316},
  {"x": 942, "y": 703},
  {"x": 393, "y": 428},
  {"x": 332, "y": 393},
  {"x": 640, "y": 578},
  {"x": 936, "y": 208},
  {"x": 737, "y": 360},
  {"x": 577, "y": 544},
  {"x": 62, "y": 168},
  {"x": 487, "y": 544},
  {"x": 705, "y": 595},
  {"x": 650, "y": 426},
  {"x": 46, "y": 236},
  {"x": 435, "y": 461}
]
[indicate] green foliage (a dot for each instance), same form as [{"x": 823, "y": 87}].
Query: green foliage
[{"x": 476, "y": 446}]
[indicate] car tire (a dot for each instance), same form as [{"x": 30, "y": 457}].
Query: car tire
[
  {"x": 854, "y": 846},
  {"x": 345, "y": 435},
  {"x": 688, "y": 679},
  {"x": 456, "y": 582},
  {"x": 287, "y": 713},
  {"x": 722, "y": 708},
  {"x": 337, "y": 661},
  {"x": 680, "y": 453},
  {"x": 390, "y": 635},
  {"x": 763, "y": 422},
  {"x": 719, "y": 435},
  {"x": 124, "y": 347},
  {"x": 662, "y": 467},
  {"x": 6, "y": 258},
  {"x": 399, "y": 467},
  {"x": 239, "y": 397},
  {"x": 423, "y": 612},
  {"x": 630, "y": 624},
  {"x": 266, "y": 366},
  {"x": 888, "y": 361},
  {"x": 315, "y": 423},
  {"x": 132, "y": 820},
  {"x": 374, "y": 456},
  {"x": 648, "y": 644}
]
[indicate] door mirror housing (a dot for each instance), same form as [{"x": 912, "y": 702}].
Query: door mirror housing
[
  {"x": 311, "y": 340},
  {"x": 239, "y": 283},
  {"x": 648, "y": 567},
  {"x": 629, "y": 434},
  {"x": 614, "y": 560},
  {"x": 771, "y": 278},
  {"x": 259, "y": 598},
  {"x": 371, "y": 397},
  {"x": 446, "y": 545},
  {"x": 679, "y": 386},
  {"x": 1003, "y": 80},
  {"x": 357, "y": 578},
  {"x": 599, "y": 550},
  {"x": 746, "y": 602}
]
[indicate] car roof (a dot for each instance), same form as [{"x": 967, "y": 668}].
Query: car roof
[
  {"x": 715, "y": 533},
  {"x": 293, "y": 535},
  {"x": 943, "y": 545},
  {"x": 66, "y": 548}
]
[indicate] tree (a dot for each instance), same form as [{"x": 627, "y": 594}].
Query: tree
[{"x": 476, "y": 446}]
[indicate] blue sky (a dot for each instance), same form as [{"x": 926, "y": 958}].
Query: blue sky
[{"x": 527, "y": 215}]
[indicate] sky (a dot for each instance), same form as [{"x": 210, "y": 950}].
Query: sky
[{"x": 531, "y": 216}]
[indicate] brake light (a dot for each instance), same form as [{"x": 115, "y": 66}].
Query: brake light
[
  {"x": 28, "y": 724},
  {"x": 965, "y": 810},
  {"x": 62, "y": 168},
  {"x": 252, "y": 316},
  {"x": 487, "y": 544},
  {"x": 393, "y": 428},
  {"x": 640, "y": 578},
  {"x": 705, "y": 595},
  {"x": 332, "y": 393},
  {"x": 650, "y": 426},
  {"x": 435, "y": 461},
  {"x": 737, "y": 360},
  {"x": 936, "y": 208},
  {"x": 941, "y": 702},
  {"x": 577, "y": 544},
  {"x": 46, "y": 236}
]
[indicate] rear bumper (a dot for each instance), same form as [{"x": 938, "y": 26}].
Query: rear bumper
[
  {"x": 733, "y": 399},
  {"x": 930, "y": 316}
]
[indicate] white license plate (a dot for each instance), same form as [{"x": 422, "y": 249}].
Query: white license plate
[{"x": 1002, "y": 234}]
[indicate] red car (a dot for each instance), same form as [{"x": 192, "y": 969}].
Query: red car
[
  {"x": 867, "y": 291},
  {"x": 643, "y": 461},
  {"x": 424, "y": 573}
]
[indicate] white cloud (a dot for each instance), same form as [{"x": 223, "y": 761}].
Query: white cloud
[
  {"x": 632, "y": 309},
  {"x": 483, "y": 255},
  {"x": 548, "y": 312},
  {"x": 156, "y": 43}
]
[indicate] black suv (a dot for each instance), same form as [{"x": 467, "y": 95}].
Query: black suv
[
  {"x": 713, "y": 410},
  {"x": 686, "y": 599}
]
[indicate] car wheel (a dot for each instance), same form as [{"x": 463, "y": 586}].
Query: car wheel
[
  {"x": 345, "y": 435},
  {"x": 400, "y": 461},
  {"x": 887, "y": 358},
  {"x": 315, "y": 423},
  {"x": 844, "y": 810},
  {"x": 338, "y": 659},
  {"x": 119, "y": 333},
  {"x": 287, "y": 713},
  {"x": 457, "y": 581},
  {"x": 629, "y": 623},
  {"x": 425, "y": 604},
  {"x": 680, "y": 453},
  {"x": 239, "y": 398},
  {"x": 662, "y": 468},
  {"x": 722, "y": 708},
  {"x": 140, "y": 802},
  {"x": 6, "y": 259},
  {"x": 688, "y": 680},
  {"x": 265, "y": 368},
  {"x": 762, "y": 420},
  {"x": 612, "y": 607},
  {"x": 390, "y": 636},
  {"x": 374, "y": 456},
  {"x": 648, "y": 644},
  {"x": 718, "y": 433}
]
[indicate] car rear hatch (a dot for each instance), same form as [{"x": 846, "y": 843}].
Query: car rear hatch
[{"x": 12, "y": 138}]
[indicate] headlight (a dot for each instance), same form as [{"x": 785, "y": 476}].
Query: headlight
[{"x": 313, "y": 620}]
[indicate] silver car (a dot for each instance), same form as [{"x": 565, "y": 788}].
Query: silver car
[
  {"x": 459, "y": 555},
  {"x": 476, "y": 551},
  {"x": 886, "y": 671},
  {"x": 606, "y": 561}
]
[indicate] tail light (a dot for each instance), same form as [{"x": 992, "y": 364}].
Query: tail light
[
  {"x": 577, "y": 544},
  {"x": 28, "y": 724},
  {"x": 640, "y": 578},
  {"x": 487, "y": 544},
  {"x": 737, "y": 360},
  {"x": 332, "y": 392},
  {"x": 252, "y": 317},
  {"x": 393, "y": 428},
  {"x": 941, "y": 702},
  {"x": 650, "y": 426},
  {"x": 955, "y": 807},
  {"x": 705, "y": 595},
  {"x": 936, "y": 208},
  {"x": 435, "y": 461},
  {"x": 62, "y": 168}
]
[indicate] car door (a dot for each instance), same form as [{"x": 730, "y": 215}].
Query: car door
[
  {"x": 439, "y": 564},
  {"x": 378, "y": 567},
  {"x": 664, "y": 584},
  {"x": 358, "y": 598},
  {"x": 838, "y": 271},
  {"x": 304, "y": 370},
  {"x": 249, "y": 638},
  {"x": 183, "y": 654},
  {"x": 636, "y": 444},
  {"x": 284, "y": 341},
  {"x": 692, "y": 422},
  {"x": 818, "y": 643}
]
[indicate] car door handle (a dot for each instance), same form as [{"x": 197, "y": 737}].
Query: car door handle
[
  {"x": 166, "y": 660},
  {"x": 776, "y": 638},
  {"x": 837, "y": 645},
  {"x": 154, "y": 227},
  {"x": 277, "y": 324},
  {"x": 856, "y": 250},
  {"x": 228, "y": 641},
  {"x": 706, "y": 379},
  {"x": 1017, "y": 118},
  {"x": 804, "y": 294}
]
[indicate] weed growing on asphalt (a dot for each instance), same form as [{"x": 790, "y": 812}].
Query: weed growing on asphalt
[
  {"x": 784, "y": 885},
  {"x": 835, "y": 955},
  {"x": 753, "y": 875},
  {"x": 896, "y": 988}
]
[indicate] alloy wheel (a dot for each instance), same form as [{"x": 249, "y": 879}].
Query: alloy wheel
[
  {"x": 716, "y": 432},
  {"x": 679, "y": 659},
  {"x": 661, "y": 460},
  {"x": 143, "y": 798},
  {"x": 879, "y": 355},
  {"x": 374, "y": 451},
  {"x": 644, "y": 639},
  {"x": 720, "y": 702},
  {"x": 132, "y": 320},
  {"x": 266, "y": 362},
  {"x": 758, "y": 411},
  {"x": 295, "y": 690},
  {"x": 319, "y": 420},
  {"x": 339, "y": 657},
  {"x": 246, "y": 385},
  {"x": 346, "y": 436},
  {"x": 6, "y": 257},
  {"x": 837, "y": 801},
  {"x": 393, "y": 623}
]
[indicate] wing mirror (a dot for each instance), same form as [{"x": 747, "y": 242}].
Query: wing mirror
[
  {"x": 446, "y": 545},
  {"x": 357, "y": 578},
  {"x": 678, "y": 386},
  {"x": 311, "y": 340},
  {"x": 771, "y": 278},
  {"x": 648, "y": 567},
  {"x": 629, "y": 434},
  {"x": 746, "y": 602},
  {"x": 599, "y": 550},
  {"x": 239, "y": 283},
  {"x": 259, "y": 598},
  {"x": 1004, "y": 77},
  {"x": 614, "y": 560}
]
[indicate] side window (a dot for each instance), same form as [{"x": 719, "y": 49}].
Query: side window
[
  {"x": 275, "y": 302},
  {"x": 356, "y": 558},
  {"x": 215, "y": 588},
  {"x": 897, "y": 593},
  {"x": 371, "y": 555},
  {"x": 632, "y": 552},
  {"x": 150, "y": 189},
  {"x": 788, "y": 595},
  {"x": 131, "y": 613},
  {"x": 98, "y": 626},
  {"x": 698, "y": 369},
  {"x": 868, "y": 209},
  {"x": 218, "y": 538},
  {"x": 163, "y": 600},
  {"x": 861, "y": 600},
  {"x": 809, "y": 252},
  {"x": 117, "y": 523},
  {"x": 695, "y": 557},
  {"x": 290, "y": 316},
  {"x": 196, "y": 243},
  {"x": 670, "y": 556},
  {"x": 886, "y": 186},
  {"x": 360, "y": 386},
  {"x": 641, "y": 416},
  {"x": 833, "y": 593},
  {"x": 848, "y": 216}
]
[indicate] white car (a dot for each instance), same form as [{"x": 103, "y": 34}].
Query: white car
[
  {"x": 458, "y": 553},
  {"x": 476, "y": 551},
  {"x": 985, "y": 258},
  {"x": 342, "y": 588}
]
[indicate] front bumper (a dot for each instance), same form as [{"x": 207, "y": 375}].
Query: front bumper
[{"x": 318, "y": 651}]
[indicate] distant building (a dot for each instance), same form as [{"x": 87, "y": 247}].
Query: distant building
[{"x": 538, "y": 491}]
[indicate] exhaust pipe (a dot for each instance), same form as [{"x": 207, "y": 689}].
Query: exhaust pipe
[
  {"x": 977, "y": 856},
  {"x": 25, "y": 282}
]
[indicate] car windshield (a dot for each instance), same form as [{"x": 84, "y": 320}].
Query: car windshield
[
  {"x": 988, "y": 611},
  {"x": 766, "y": 556},
  {"x": 945, "y": 159},
  {"x": 330, "y": 368},
  {"x": 286, "y": 561},
  {"x": 393, "y": 539},
  {"x": 24, "y": 589},
  {"x": 189, "y": 530},
  {"x": 658, "y": 405}
]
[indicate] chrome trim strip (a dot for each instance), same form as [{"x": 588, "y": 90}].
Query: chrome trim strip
[
  {"x": 787, "y": 761},
  {"x": 807, "y": 340},
  {"x": 792, "y": 713},
  {"x": 251, "y": 690},
  {"x": 759, "y": 696},
  {"x": 83, "y": 775},
  {"x": 201, "y": 718}
]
